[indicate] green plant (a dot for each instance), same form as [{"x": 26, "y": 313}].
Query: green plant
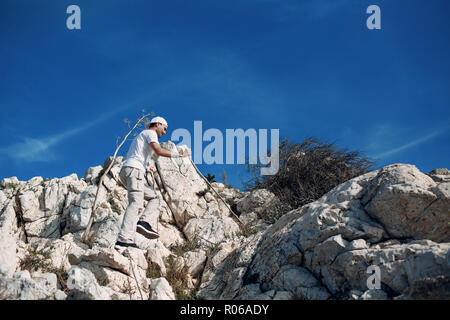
[
  {"x": 248, "y": 231},
  {"x": 210, "y": 178},
  {"x": 11, "y": 185},
  {"x": 178, "y": 280},
  {"x": 181, "y": 248},
  {"x": 35, "y": 260},
  {"x": 38, "y": 260},
  {"x": 153, "y": 270}
]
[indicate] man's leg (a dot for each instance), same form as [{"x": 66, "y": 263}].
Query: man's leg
[
  {"x": 151, "y": 212},
  {"x": 148, "y": 222},
  {"x": 135, "y": 184}
]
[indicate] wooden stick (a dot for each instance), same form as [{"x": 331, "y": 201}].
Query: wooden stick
[{"x": 100, "y": 183}]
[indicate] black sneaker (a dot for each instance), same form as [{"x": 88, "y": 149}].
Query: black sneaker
[
  {"x": 123, "y": 245},
  {"x": 146, "y": 230}
]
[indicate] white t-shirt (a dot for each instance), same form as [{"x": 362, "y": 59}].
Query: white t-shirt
[{"x": 140, "y": 153}]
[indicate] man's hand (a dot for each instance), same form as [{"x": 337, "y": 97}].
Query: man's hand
[
  {"x": 185, "y": 154},
  {"x": 151, "y": 168}
]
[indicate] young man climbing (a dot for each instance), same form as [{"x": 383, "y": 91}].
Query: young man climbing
[{"x": 132, "y": 175}]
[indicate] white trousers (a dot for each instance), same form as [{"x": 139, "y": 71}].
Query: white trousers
[{"x": 134, "y": 180}]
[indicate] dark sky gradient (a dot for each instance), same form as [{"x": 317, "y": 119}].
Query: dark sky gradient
[{"x": 308, "y": 68}]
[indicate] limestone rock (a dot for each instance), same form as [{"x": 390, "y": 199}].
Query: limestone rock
[
  {"x": 92, "y": 174},
  {"x": 22, "y": 287},
  {"x": 9, "y": 183},
  {"x": 211, "y": 230},
  {"x": 440, "y": 175},
  {"x": 161, "y": 290},
  {"x": 182, "y": 183},
  {"x": 334, "y": 240},
  {"x": 8, "y": 258},
  {"x": 79, "y": 212},
  {"x": 394, "y": 218},
  {"x": 195, "y": 261},
  {"x": 400, "y": 196},
  {"x": 257, "y": 201},
  {"x": 83, "y": 285}
]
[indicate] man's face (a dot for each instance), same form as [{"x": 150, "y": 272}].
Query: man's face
[{"x": 161, "y": 130}]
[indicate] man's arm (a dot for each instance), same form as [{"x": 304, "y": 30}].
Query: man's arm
[{"x": 166, "y": 153}]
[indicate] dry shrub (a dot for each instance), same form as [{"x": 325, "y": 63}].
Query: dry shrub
[{"x": 308, "y": 170}]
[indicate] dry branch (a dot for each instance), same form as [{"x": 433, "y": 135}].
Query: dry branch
[{"x": 100, "y": 183}]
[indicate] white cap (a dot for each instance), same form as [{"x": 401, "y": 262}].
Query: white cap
[{"x": 160, "y": 120}]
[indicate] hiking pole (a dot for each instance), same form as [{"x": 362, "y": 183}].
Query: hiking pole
[
  {"x": 207, "y": 182},
  {"x": 168, "y": 204},
  {"x": 160, "y": 190}
]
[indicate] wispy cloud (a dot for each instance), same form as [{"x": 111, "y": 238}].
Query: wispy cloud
[
  {"x": 412, "y": 144},
  {"x": 40, "y": 149}
]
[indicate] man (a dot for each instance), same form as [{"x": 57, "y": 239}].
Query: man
[{"x": 132, "y": 175}]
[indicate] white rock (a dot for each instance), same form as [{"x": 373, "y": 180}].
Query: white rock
[
  {"x": 22, "y": 287},
  {"x": 83, "y": 285},
  {"x": 8, "y": 258},
  {"x": 47, "y": 227},
  {"x": 283, "y": 295},
  {"x": 80, "y": 210},
  {"x": 48, "y": 281},
  {"x": 169, "y": 235},
  {"x": 195, "y": 261},
  {"x": 290, "y": 277},
  {"x": 161, "y": 290},
  {"x": 105, "y": 232},
  {"x": 92, "y": 174},
  {"x": 211, "y": 230},
  {"x": 29, "y": 203},
  {"x": 374, "y": 294},
  {"x": 60, "y": 295},
  {"x": 400, "y": 199},
  {"x": 9, "y": 182},
  {"x": 326, "y": 251},
  {"x": 256, "y": 201},
  {"x": 8, "y": 219},
  {"x": 357, "y": 245}
]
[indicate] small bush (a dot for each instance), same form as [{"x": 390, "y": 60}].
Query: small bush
[
  {"x": 153, "y": 271},
  {"x": 248, "y": 231},
  {"x": 210, "y": 178},
  {"x": 37, "y": 260},
  {"x": 188, "y": 245},
  {"x": 11, "y": 185},
  {"x": 178, "y": 280},
  {"x": 307, "y": 171}
]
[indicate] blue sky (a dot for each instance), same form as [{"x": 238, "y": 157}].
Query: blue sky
[{"x": 306, "y": 67}]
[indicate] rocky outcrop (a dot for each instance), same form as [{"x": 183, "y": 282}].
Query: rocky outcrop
[
  {"x": 42, "y": 223},
  {"x": 395, "y": 220}
]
